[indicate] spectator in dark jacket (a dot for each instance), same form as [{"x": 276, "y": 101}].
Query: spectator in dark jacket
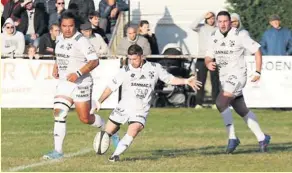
[
  {"x": 84, "y": 8},
  {"x": 144, "y": 30},
  {"x": 48, "y": 40},
  {"x": 277, "y": 40},
  {"x": 32, "y": 23},
  {"x": 94, "y": 20},
  {"x": 8, "y": 9},
  {"x": 55, "y": 17},
  {"x": 109, "y": 11}
]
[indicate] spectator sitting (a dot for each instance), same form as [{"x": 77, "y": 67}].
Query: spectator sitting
[
  {"x": 109, "y": 12},
  {"x": 133, "y": 38},
  {"x": 276, "y": 40},
  {"x": 56, "y": 15},
  {"x": 95, "y": 39},
  {"x": 8, "y": 9},
  {"x": 94, "y": 20},
  {"x": 48, "y": 41},
  {"x": 12, "y": 40},
  {"x": 31, "y": 52},
  {"x": 32, "y": 23},
  {"x": 144, "y": 30}
]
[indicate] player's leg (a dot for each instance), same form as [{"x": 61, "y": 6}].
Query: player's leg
[
  {"x": 83, "y": 110},
  {"x": 202, "y": 76},
  {"x": 250, "y": 118},
  {"x": 62, "y": 105},
  {"x": 215, "y": 86},
  {"x": 133, "y": 130}
]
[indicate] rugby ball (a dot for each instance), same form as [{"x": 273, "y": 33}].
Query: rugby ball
[{"x": 101, "y": 142}]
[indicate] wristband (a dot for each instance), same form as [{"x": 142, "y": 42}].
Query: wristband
[
  {"x": 259, "y": 73},
  {"x": 78, "y": 73}
]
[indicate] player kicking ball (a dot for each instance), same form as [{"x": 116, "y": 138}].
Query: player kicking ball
[
  {"x": 138, "y": 80},
  {"x": 227, "y": 46}
]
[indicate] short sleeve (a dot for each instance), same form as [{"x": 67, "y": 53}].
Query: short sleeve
[
  {"x": 249, "y": 44},
  {"x": 87, "y": 49},
  {"x": 118, "y": 80}
]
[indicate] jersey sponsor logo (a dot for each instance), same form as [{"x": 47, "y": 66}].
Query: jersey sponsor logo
[
  {"x": 62, "y": 46},
  {"x": 215, "y": 41},
  {"x": 62, "y": 61},
  {"x": 132, "y": 75},
  {"x": 62, "y": 55},
  {"x": 223, "y": 44},
  {"x": 141, "y": 85},
  {"x": 118, "y": 111},
  {"x": 141, "y": 93},
  {"x": 115, "y": 81},
  {"x": 225, "y": 52}
]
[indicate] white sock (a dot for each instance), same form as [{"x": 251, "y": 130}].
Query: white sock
[
  {"x": 99, "y": 122},
  {"x": 123, "y": 144},
  {"x": 254, "y": 126},
  {"x": 228, "y": 121},
  {"x": 59, "y": 135}
]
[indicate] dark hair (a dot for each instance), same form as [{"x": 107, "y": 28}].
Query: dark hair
[
  {"x": 68, "y": 15},
  {"x": 143, "y": 22},
  {"x": 224, "y": 13},
  {"x": 135, "y": 49},
  {"x": 93, "y": 14}
]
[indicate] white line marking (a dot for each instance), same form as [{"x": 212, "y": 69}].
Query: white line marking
[{"x": 22, "y": 167}]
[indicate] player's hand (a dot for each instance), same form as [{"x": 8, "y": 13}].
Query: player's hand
[
  {"x": 211, "y": 66},
  {"x": 256, "y": 77},
  {"x": 194, "y": 83},
  {"x": 95, "y": 106},
  {"x": 114, "y": 12},
  {"x": 49, "y": 49},
  {"x": 72, "y": 77}
]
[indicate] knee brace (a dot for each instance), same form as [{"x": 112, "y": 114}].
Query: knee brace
[{"x": 61, "y": 109}]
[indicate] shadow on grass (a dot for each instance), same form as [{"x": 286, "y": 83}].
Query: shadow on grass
[{"x": 208, "y": 150}]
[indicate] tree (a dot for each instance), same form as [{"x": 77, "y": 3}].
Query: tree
[{"x": 254, "y": 14}]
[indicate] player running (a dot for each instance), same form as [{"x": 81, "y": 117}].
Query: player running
[
  {"x": 138, "y": 80},
  {"x": 75, "y": 59},
  {"x": 227, "y": 47}
]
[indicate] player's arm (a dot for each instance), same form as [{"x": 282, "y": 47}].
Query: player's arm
[
  {"x": 170, "y": 79},
  {"x": 88, "y": 51},
  {"x": 112, "y": 86},
  {"x": 254, "y": 48},
  {"x": 55, "y": 73}
]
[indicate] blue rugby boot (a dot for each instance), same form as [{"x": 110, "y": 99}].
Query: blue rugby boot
[
  {"x": 264, "y": 144},
  {"x": 232, "y": 144}
]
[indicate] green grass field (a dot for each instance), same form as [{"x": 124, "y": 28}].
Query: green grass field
[{"x": 173, "y": 140}]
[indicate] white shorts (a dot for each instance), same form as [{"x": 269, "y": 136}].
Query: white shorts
[
  {"x": 78, "y": 92},
  {"x": 121, "y": 116},
  {"x": 233, "y": 84}
]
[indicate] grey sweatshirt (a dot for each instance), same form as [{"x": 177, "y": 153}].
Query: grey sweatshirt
[
  {"x": 12, "y": 43},
  {"x": 126, "y": 43}
]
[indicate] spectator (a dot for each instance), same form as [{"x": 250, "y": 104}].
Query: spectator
[
  {"x": 109, "y": 11},
  {"x": 12, "y": 40},
  {"x": 276, "y": 40},
  {"x": 204, "y": 31},
  {"x": 32, "y": 52},
  {"x": 8, "y": 9},
  {"x": 144, "y": 31},
  {"x": 4, "y": 2},
  {"x": 55, "y": 16},
  {"x": 32, "y": 23},
  {"x": 95, "y": 39},
  {"x": 94, "y": 20},
  {"x": 48, "y": 41},
  {"x": 84, "y": 7},
  {"x": 133, "y": 38},
  {"x": 47, "y": 7},
  {"x": 236, "y": 23}
]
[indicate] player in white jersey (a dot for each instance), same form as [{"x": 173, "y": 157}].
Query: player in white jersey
[
  {"x": 138, "y": 80},
  {"x": 75, "y": 59},
  {"x": 226, "y": 47}
]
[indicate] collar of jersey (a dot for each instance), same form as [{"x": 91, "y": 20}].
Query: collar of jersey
[
  {"x": 76, "y": 33},
  {"x": 132, "y": 68}
]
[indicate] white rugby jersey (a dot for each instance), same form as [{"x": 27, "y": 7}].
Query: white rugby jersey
[
  {"x": 72, "y": 54},
  {"x": 229, "y": 51},
  {"x": 138, "y": 85}
]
